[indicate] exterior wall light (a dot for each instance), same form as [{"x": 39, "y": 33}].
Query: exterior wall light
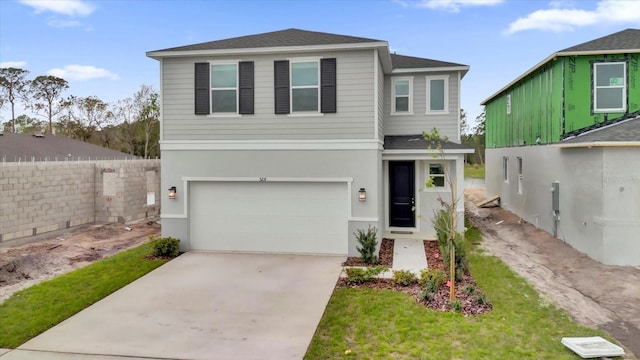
[
  {"x": 362, "y": 194},
  {"x": 172, "y": 192}
]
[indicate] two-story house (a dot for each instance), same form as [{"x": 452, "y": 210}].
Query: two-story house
[
  {"x": 563, "y": 146},
  {"x": 290, "y": 141}
]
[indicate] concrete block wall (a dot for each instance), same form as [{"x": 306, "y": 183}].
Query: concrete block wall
[{"x": 40, "y": 197}]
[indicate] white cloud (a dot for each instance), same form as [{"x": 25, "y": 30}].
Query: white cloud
[
  {"x": 13, "y": 64},
  {"x": 564, "y": 16},
  {"x": 58, "y": 23},
  {"x": 81, "y": 72},
  {"x": 61, "y": 7},
  {"x": 447, "y": 5}
]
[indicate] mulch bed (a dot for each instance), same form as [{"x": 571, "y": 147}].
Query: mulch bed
[{"x": 466, "y": 291}]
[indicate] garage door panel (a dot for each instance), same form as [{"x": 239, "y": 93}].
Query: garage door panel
[{"x": 269, "y": 217}]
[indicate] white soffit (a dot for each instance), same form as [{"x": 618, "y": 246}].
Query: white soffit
[{"x": 592, "y": 347}]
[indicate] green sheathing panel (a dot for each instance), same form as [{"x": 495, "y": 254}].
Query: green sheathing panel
[
  {"x": 536, "y": 110},
  {"x": 579, "y": 92}
]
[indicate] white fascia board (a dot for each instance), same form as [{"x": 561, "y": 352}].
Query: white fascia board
[
  {"x": 551, "y": 58},
  {"x": 267, "y": 50},
  {"x": 422, "y": 156},
  {"x": 429, "y": 152},
  {"x": 598, "y": 144},
  {"x": 352, "y": 144},
  {"x": 270, "y": 179},
  {"x": 462, "y": 69}
]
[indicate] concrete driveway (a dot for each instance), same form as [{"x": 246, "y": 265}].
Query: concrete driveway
[{"x": 201, "y": 306}]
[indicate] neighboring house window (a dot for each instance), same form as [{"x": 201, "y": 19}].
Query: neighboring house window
[
  {"x": 305, "y": 86},
  {"x": 505, "y": 169},
  {"x": 224, "y": 88},
  {"x": 509, "y": 104},
  {"x": 520, "y": 177},
  {"x": 609, "y": 87},
  {"x": 436, "y": 174},
  {"x": 402, "y": 92},
  {"x": 437, "y": 94}
]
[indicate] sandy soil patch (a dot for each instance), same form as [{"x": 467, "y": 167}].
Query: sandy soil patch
[{"x": 26, "y": 265}]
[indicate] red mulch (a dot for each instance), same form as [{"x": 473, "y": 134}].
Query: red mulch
[
  {"x": 440, "y": 301},
  {"x": 385, "y": 255}
]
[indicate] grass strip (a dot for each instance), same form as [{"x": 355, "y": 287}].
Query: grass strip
[
  {"x": 31, "y": 311},
  {"x": 384, "y": 324},
  {"x": 474, "y": 171}
]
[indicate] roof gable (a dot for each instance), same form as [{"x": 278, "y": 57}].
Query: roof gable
[
  {"x": 628, "y": 39},
  {"x": 282, "y": 38}
]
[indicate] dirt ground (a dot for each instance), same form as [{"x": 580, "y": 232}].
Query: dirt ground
[
  {"x": 596, "y": 295},
  {"x": 29, "y": 264}
]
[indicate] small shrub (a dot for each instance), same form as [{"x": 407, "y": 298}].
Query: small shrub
[
  {"x": 166, "y": 247},
  {"x": 435, "y": 276},
  {"x": 456, "y": 305},
  {"x": 358, "y": 275},
  {"x": 481, "y": 300},
  {"x": 426, "y": 295},
  {"x": 404, "y": 277},
  {"x": 368, "y": 244},
  {"x": 468, "y": 289}
]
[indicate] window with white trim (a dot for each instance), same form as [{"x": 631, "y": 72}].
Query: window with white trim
[
  {"x": 224, "y": 88},
  {"x": 437, "y": 94},
  {"x": 401, "y": 98},
  {"x": 520, "y": 176},
  {"x": 437, "y": 175},
  {"x": 609, "y": 87},
  {"x": 305, "y": 86},
  {"x": 508, "y": 104}
]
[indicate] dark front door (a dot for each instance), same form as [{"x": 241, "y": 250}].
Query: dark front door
[{"x": 401, "y": 193}]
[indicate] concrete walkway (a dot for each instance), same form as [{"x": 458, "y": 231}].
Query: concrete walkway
[
  {"x": 408, "y": 254},
  {"x": 200, "y": 306}
]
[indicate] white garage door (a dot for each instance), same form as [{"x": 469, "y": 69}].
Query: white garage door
[{"x": 281, "y": 217}]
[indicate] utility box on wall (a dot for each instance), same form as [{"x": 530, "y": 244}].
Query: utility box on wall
[{"x": 555, "y": 197}]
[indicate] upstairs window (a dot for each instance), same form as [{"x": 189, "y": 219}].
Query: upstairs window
[
  {"x": 224, "y": 88},
  {"x": 437, "y": 94},
  {"x": 305, "y": 94},
  {"x": 402, "y": 96},
  {"x": 305, "y": 86},
  {"x": 609, "y": 87}
]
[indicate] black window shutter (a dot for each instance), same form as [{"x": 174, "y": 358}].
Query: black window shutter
[
  {"x": 328, "y": 85},
  {"x": 281, "y": 86},
  {"x": 246, "y": 87},
  {"x": 202, "y": 89}
]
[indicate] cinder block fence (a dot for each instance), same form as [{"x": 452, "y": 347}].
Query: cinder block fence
[{"x": 39, "y": 197}]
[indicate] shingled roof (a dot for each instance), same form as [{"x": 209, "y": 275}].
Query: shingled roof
[
  {"x": 411, "y": 62},
  {"x": 628, "y": 39},
  {"x": 623, "y": 131},
  {"x": 26, "y": 148},
  {"x": 417, "y": 142},
  {"x": 288, "y": 37}
]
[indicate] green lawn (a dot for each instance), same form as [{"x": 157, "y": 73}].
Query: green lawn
[
  {"x": 474, "y": 171},
  {"x": 32, "y": 311},
  {"x": 383, "y": 324}
]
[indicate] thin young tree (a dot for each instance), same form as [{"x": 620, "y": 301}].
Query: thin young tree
[
  {"x": 47, "y": 92},
  {"x": 15, "y": 87},
  {"x": 435, "y": 143}
]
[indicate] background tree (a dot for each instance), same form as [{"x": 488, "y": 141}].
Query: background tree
[
  {"x": 125, "y": 114},
  {"x": 148, "y": 125},
  {"x": 84, "y": 116},
  {"x": 28, "y": 125},
  {"x": 47, "y": 91},
  {"x": 15, "y": 87}
]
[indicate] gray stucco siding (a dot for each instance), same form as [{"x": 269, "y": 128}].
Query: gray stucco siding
[
  {"x": 353, "y": 120},
  {"x": 362, "y": 166},
  {"x": 599, "y": 188},
  {"x": 419, "y": 121}
]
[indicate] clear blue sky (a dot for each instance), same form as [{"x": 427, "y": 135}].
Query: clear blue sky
[{"x": 99, "y": 46}]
